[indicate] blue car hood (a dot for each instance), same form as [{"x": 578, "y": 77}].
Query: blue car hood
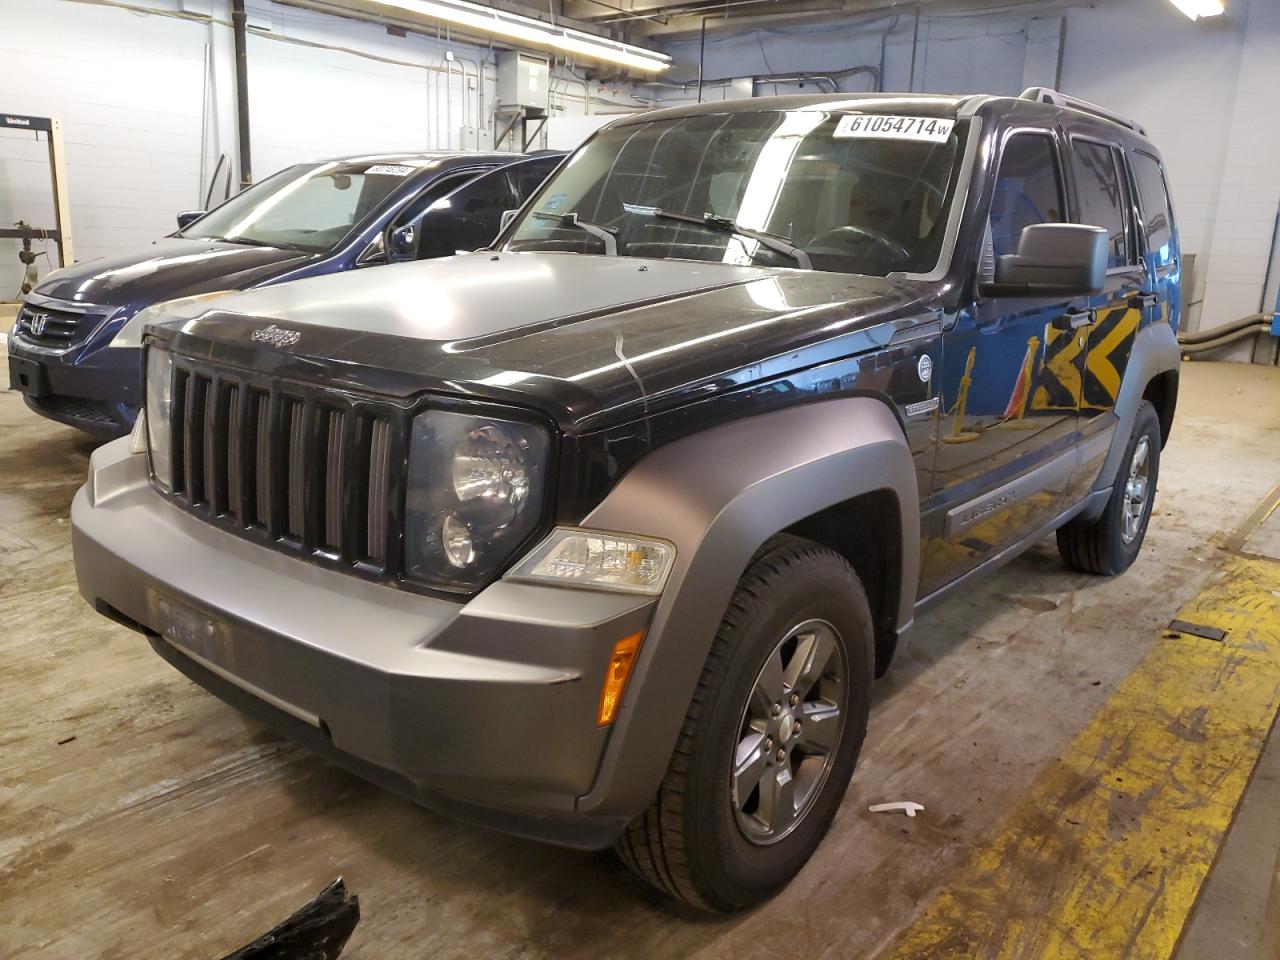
[{"x": 169, "y": 268}]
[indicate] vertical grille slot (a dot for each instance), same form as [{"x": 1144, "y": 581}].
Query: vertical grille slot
[
  {"x": 293, "y": 419},
  {"x": 333, "y": 425},
  {"x": 212, "y": 446},
  {"x": 259, "y": 429},
  {"x": 379, "y": 475},
  {"x": 194, "y": 446},
  {"x": 234, "y": 504},
  {"x": 178, "y": 440}
]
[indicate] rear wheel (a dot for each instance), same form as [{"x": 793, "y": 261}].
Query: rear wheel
[
  {"x": 1109, "y": 544},
  {"x": 771, "y": 737}
]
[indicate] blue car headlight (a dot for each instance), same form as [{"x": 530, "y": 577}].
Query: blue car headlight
[{"x": 476, "y": 492}]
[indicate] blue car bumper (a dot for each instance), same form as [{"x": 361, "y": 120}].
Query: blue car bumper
[{"x": 94, "y": 390}]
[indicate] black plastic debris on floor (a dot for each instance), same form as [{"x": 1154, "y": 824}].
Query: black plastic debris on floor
[
  {"x": 1186, "y": 628},
  {"x": 318, "y": 931}
]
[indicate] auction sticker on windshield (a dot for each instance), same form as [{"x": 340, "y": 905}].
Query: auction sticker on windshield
[{"x": 885, "y": 127}]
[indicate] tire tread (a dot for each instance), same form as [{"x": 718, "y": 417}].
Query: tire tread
[
  {"x": 652, "y": 845},
  {"x": 1089, "y": 546}
]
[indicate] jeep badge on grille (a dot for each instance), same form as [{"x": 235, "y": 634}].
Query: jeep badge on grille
[{"x": 276, "y": 336}]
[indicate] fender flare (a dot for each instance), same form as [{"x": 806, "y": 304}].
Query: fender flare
[
  {"x": 1155, "y": 351},
  {"x": 718, "y": 496}
]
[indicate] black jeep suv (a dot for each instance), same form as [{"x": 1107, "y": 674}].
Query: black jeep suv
[{"x": 602, "y": 535}]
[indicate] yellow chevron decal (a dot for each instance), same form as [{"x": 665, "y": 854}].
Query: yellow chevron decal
[
  {"x": 1057, "y": 381},
  {"x": 1110, "y": 341}
]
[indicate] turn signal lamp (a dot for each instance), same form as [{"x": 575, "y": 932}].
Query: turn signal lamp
[
  {"x": 623, "y": 659},
  {"x": 595, "y": 560}
]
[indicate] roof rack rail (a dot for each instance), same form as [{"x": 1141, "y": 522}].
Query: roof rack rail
[{"x": 1048, "y": 95}]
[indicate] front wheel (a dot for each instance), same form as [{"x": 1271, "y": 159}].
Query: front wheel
[
  {"x": 771, "y": 737},
  {"x": 1109, "y": 544}
]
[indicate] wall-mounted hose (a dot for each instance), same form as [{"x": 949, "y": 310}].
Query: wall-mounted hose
[{"x": 1225, "y": 335}]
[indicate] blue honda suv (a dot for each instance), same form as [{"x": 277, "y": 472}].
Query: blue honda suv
[{"x": 68, "y": 355}]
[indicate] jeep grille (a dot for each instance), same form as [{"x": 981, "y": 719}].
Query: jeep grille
[{"x": 300, "y": 468}]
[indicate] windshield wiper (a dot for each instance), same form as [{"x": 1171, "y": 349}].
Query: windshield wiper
[
  {"x": 772, "y": 241},
  {"x": 249, "y": 242},
  {"x": 603, "y": 234}
]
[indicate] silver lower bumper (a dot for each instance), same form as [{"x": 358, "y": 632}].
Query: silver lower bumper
[{"x": 487, "y": 707}]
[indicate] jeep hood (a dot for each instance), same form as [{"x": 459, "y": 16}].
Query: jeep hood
[{"x": 584, "y": 338}]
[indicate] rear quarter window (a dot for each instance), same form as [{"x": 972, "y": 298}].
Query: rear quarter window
[{"x": 1157, "y": 212}]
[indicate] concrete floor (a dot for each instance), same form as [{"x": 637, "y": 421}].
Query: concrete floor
[{"x": 140, "y": 817}]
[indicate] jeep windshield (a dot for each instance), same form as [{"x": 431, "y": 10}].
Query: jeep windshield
[
  {"x": 309, "y": 207},
  {"x": 807, "y": 189}
]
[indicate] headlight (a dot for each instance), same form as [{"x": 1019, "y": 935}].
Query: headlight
[
  {"x": 599, "y": 561},
  {"x": 130, "y": 334},
  {"x": 159, "y": 404},
  {"x": 475, "y": 494}
]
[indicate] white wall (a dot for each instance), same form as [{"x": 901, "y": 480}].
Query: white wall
[
  {"x": 130, "y": 90},
  {"x": 131, "y": 123}
]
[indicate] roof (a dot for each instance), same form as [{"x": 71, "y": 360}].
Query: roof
[
  {"x": 1036, "y": 101},
  {"x": 932, "y": 105},
  {"x": 424, "y": 158}
]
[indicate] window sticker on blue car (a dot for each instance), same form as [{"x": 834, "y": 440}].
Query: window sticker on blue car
[
  {"x": 884, "y": 127},
  {"x": 391, "y": 169}
]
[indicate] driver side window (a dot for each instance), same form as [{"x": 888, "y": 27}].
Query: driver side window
[
  {"x": 433, "y": 192},
  {"x": 1028, "y": 189},
  {"x": 466, "y": 219}
]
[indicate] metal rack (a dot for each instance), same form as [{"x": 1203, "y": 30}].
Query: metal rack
[
  {"x": 1047, "y": 95},
  {"x": 61, "y": 234}
]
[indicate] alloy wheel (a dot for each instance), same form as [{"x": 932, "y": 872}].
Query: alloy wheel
[
  {"x": 1137, "y": 489},
  {"x": 789, "y": 732}
]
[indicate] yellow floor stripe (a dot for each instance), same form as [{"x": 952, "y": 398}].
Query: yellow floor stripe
[{"x": 1107, "y": 853}]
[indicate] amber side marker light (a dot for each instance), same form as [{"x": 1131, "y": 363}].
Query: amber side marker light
[{"x": 615, "y": 677}]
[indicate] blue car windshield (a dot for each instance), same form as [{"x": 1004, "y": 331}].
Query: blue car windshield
[
  {"x": 809, "y": 189},
  {"x": 309, "y": 207}
]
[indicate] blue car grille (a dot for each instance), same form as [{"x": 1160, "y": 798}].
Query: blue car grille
[{"x": 59, "y": 326}]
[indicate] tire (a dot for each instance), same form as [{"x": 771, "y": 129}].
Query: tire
[
  {"x": 697, "y": 841},
  {"x": 1106, "y": 546}
]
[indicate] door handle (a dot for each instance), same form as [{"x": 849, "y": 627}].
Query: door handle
[
  {"x": 1073, "y": 320},
  {"x": 1141, "y": 300}
]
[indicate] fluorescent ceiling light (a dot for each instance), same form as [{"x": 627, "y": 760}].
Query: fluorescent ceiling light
[
  {"x": 512, "y": 26},
  {"x": 1195, "y": 9}
]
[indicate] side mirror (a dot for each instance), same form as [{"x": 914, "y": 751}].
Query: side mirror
[
  {"x": 507, "y": 217},
  {"x": 1053, "y": 260},
  {"x": 188, "y": 217},
  {"x": 402, "y": 244}
]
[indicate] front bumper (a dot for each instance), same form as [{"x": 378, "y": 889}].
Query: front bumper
[
  {"x": 484, "y": 710},
  {"x": 92, "y": 389}
]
